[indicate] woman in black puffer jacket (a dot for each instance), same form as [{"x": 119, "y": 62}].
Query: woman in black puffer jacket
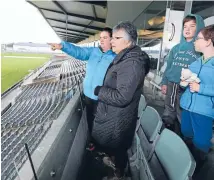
[{"x": 118, "y": 98}]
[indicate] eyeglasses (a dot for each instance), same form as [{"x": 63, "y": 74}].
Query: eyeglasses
[
  {"x": 197, "y": 38},
  {"x": 116, "y": 38}
]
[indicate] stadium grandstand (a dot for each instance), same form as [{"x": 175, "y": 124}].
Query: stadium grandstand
[{"x": 44, "y": 131}]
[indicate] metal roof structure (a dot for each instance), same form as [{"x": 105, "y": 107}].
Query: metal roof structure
[{"x": 73, "y": 21}]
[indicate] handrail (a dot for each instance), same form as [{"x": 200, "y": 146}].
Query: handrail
[{"x": 10, "y": 89}]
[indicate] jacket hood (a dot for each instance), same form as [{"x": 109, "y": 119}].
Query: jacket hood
[{"x": 199, "y": 25}]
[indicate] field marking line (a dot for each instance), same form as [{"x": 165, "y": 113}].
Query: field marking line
[{"x": 25, "y": 57}]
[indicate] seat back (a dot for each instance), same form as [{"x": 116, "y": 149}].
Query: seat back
[
  {"x": 174, "y": 156},
  {"x": 147, "y": 134},
  {"x": 148, "y": 130},
  {"x": 142, "y": 105},
  {"x": 138, "y": 162},
  {"x": 151, "y": 123},
  {"x": 163, "y": 68},
  {"x": 157, "y": 79}
]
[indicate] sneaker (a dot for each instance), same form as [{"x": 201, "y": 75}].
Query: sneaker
[{"x": 108, "y": 162}]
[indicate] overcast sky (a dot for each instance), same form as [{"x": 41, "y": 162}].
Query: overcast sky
[{"x": 22, "y": 22}]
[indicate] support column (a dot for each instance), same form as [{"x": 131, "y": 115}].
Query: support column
[{"x": 188, "y": 7}]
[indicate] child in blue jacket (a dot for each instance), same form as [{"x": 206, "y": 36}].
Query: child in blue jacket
[
  {"x": 198, "y": 99},
  {"x": 180, "y": 56}
]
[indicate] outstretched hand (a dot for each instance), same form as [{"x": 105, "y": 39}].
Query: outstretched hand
[{"x": 55, "y": 46}]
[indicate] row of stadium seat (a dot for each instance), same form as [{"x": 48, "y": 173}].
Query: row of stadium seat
[
  {"x": 17, "y": 153},
  {"x": 155, "y": 150},
  {"x": 34, "y": 110}
]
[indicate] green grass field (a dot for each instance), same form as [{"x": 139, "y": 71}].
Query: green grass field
[{"x": 15, "y": 68}]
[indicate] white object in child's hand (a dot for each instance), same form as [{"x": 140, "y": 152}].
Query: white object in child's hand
[{"x": 187, "y": 77}]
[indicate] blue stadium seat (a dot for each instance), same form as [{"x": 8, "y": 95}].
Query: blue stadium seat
[
  {"x": 174, "y": 156},
  {"x": 171, "y": 160},
  {"x": 147, "y": 134}
]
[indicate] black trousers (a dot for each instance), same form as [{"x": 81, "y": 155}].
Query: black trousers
[
  {"x": 172, "y": 111},
  {"x": 91, "y": 108},
  {"x": 121, "y": 159}
]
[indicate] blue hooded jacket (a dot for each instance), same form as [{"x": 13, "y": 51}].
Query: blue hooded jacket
[
  {"x": 203, "y": 101},
  {"x": 98, "y": 63},
  {"x": 181, "y": 55}
]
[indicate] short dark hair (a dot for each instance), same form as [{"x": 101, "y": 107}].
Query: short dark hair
[
  {"x": 109, "y": 30},
  {"x": 208, "y": 33},
  {"x": 189, "y": 18}
]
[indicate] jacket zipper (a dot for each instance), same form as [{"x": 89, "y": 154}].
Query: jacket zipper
[
  {"x": 212, "y": 102},
  {"x": 191, "y": 92},
  {"x": 198, "y": 76},
  {"x": 210, "y": 97}
]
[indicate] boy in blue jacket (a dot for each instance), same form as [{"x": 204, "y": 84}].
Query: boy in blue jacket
[
  {"x": 180, "y": 56},
  {"x": 99, "y": 59},
  {"x": 198, "y": 99}
]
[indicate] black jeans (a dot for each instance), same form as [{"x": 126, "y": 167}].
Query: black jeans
[
  {"x": 91, "y": 108},
  {"x": 121, "y": 160},
  {"x": 172, "y": 111}
]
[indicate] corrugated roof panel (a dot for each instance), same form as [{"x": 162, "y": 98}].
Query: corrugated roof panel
[
  {"x": 97, "y": 24},
  {"x": 92, "y": 31},
  {"x": 63, "y": 25},
  {"x": 75, "y": 27},
  {"x": 46, "y": 5},
  {"x": 54, "y": 15},
  {"x": 80, "y": 15},
  {"x": 64, "y": 30},
  {"x": 77, "y": 8},
  {"x": 62, "y": 17},
  {"x": 69, "y": 39},
  {"x": 101, "y": 12}
]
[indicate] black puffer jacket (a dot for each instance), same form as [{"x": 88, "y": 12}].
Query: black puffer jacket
[{"x": 118, "y": 99}]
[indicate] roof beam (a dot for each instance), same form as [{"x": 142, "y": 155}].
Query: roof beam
[
  {"x": 94, "y": 11},
  {"x": 59, "y": 6},
  {"x": 76, "y": 24},
  {"x": 78, "y": 37},
  {"x": 86, "y": 27},
  {"x": 61, "y": 35},
  {"x": 71, "y": 39},
  {"x": 148, "y": 42},
  {"x": 76, "y": 15},
  {"x": 69, "y": 33},
  {"x": 97, "y": 3},
  {"x": 74, "y": 30}
]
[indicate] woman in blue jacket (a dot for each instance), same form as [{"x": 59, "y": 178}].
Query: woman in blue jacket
[
  {"x": 198, "y": 99},
  {"x": 98, "y": 60}
]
